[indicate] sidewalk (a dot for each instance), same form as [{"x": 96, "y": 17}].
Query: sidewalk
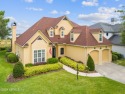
[{"x": 68, "y": 69}]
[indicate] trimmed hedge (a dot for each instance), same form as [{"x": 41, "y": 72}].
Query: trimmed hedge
[
  {"x": 12, "y": 58},
  {"x": 29, "y": 65},
  {"x": 18, "y": 70},
  {"x": 90, "y": 64},
  {"x": 30, "y": 71},
  {"x": 52, "y": 60},
  {"x": 68, "y": 62}
]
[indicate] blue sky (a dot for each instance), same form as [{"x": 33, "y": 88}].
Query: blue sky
[{"x": 83, "y": 12}]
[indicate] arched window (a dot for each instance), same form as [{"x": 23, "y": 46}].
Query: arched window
[
  {"x": 51, "y": 33},
  {"x": 71, "y": 37},
  {"x": 62, "y": 33},
  {"x": 100, "y": 37}
]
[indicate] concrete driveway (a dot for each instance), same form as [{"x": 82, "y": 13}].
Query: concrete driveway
[{"x": 112, "y": 71}]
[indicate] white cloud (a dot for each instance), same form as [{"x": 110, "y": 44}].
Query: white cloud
[
  {"x": 90, "y": 3},
  {"x": 73, "y": 0},
  {"x": 67, "y": 12},
  {"x": 12, "y": 19},
  {"x": 104, "y": 14},
  {"x": 106, "y": 10},
  {"x": 49, "y": 1},
  {"x": 34, "y": 9},
  {"x": 54, "y": 12},
  {"x": 22, "y": 25},
  {"x": 121, "y": 5},
  {"x": 29, "y": 1}
]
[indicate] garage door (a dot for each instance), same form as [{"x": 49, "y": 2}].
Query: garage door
[
  {"x": 95, "y": 55},
  {"x": 105, "y": 55}
]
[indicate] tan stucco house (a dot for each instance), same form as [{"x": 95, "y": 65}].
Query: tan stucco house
[{"x": 56, "y": 37}]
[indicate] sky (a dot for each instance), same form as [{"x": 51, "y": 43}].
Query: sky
[{"x": 84, "y": 12}]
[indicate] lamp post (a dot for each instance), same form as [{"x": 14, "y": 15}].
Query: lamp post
[{"x": 77, "y": 72}]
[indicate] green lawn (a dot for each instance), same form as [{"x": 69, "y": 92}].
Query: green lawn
[
  {"x": 60, "y": 82},
  {"x": 120, "y": 62}
]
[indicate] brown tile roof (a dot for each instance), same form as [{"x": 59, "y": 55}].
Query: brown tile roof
[{"x": 85, "y": 38}]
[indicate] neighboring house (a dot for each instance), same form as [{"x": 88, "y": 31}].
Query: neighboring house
[
  {"x": 108, "y": 29},
  {"x": 117, "y": 44},
  {"x": 112, "y": 32},
  {"x": 57, "y": 37}
]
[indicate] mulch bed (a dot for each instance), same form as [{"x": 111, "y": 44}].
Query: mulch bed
[{"x": 11, "y": 79}]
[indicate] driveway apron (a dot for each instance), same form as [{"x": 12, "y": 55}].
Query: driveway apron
[{"x": 112, "y": 71}]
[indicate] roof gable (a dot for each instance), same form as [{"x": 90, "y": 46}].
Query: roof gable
[{"x": 85, "y": 38}]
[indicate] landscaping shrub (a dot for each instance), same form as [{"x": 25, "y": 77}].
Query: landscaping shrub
[
  {"x": 29, "y": 65},
  {"x": 120, "y": 56},
  {"x": 12, "y": 58},
  {"x": 52, "y": 60},
  {"x": 18, "y": 70},
  {"x": 72, "y": 64},
  {"x": 30, "y": 71},
  {"x": 8, "y": 49},
  {"x": 2, "y": 48},
  {"x": 90, "y": 63},
  {"x": 114, "y": 57},
  {"x": 7, "y": 53}
]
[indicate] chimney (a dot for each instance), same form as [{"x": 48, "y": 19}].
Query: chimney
[{"x": 13, "y": 27}]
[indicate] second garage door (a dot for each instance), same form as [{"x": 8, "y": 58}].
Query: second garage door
[{"x": 105, "y": 55}]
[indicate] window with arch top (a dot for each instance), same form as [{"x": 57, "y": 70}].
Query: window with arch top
[
  {"x": 51, "y": 33},
  {"x": 62, "y": 32}
]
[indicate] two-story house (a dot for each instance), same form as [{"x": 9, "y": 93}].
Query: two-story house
[
  {"x": 57, "y": 37},
  {"x": 112, "y": 32}
]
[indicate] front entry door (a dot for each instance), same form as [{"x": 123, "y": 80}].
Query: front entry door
[
  {"x": 39, "y": 56},
  {"x": 54, "y": 52}
]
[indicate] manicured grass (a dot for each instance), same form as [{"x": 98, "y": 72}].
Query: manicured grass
[
  {"x": 120, "y": 62},
  {"x": 60, "y": 82}
]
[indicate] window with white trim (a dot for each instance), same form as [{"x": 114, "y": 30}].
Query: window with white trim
[
  {"x": 100, "y": 37},
  {"x": 51, "y": 33},
  {"x": 62, "y": 33},
  {"x": 39, "y": 56},
  {"x": 71, "y": 37}
]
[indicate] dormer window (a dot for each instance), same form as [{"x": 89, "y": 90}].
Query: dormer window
[
  {"x": 51, "y": 33},
  {"x": 71, "y": 37},
  {"x": 62, "y": 32},
  {"x": 100, "y": 37}
]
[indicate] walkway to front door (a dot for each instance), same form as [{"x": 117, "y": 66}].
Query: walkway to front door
[{"x": 112, "y": 71}]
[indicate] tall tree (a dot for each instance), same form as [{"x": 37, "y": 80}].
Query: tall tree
[
  {"x": 122, "y": 16},
  {"x": 4, "y": 29}
]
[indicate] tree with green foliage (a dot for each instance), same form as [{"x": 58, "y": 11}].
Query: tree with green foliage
[
  {"x": 4, "y": 29},
  {"x": 90, "y": 64},
  {"x": 122, "y": 16},
  {"x": 18, "y": 70}
]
